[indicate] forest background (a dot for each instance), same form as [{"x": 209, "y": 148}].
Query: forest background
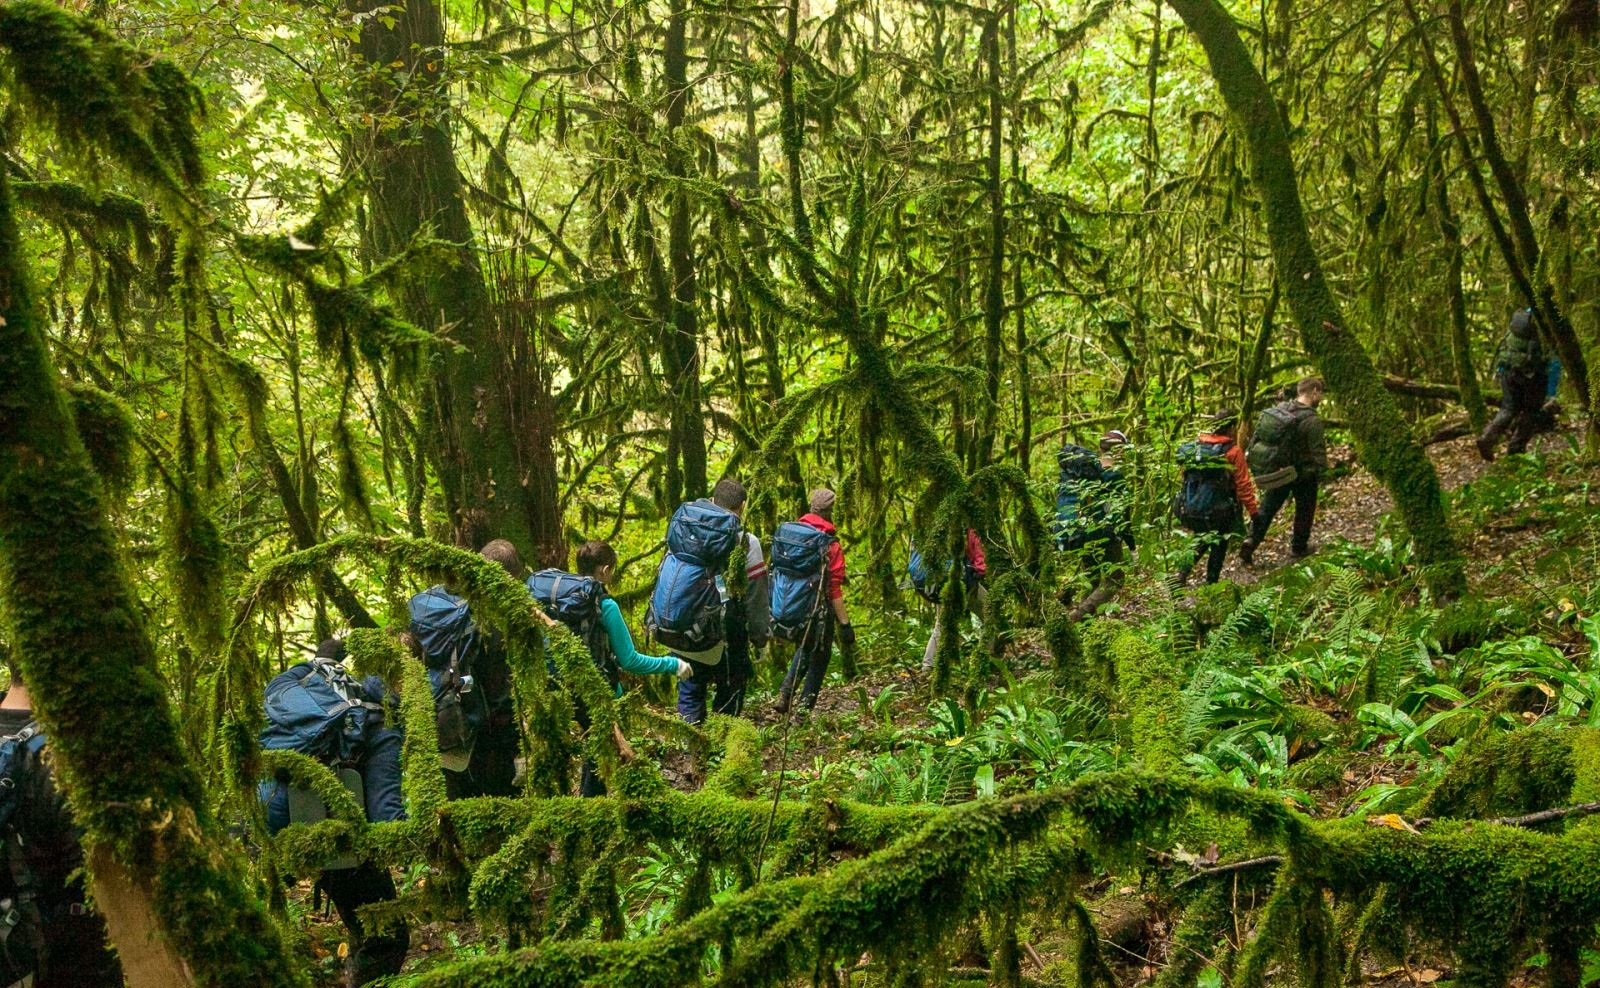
[{"x": 484, "y": 270}]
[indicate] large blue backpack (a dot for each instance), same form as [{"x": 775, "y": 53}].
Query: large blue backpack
[
  {"x": 686, "y": 606},
  {"x": 1207, "y": 497},
  {"x": 575, "y": 602},
  {"x": 317, "y": 709},
  {"x": 449, "y": 641},
  {"x": 1080, "y": 514},
  {"x": 19, "y": 755},
  {"x": 799, "y": 578}
]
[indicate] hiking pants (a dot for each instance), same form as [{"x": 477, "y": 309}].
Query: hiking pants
[
  {"x": 373, "y": 954},
  {"x": 72, "y": 951},
  {"x": 810, "y": 662},
  {"x": 1214, "y": 544},
  {"x": 975, "y": 598},
  {"x": 1304, "y": 491},
  {"x": 724, "y": 682},
  {"x": 1520, "y": 401}
]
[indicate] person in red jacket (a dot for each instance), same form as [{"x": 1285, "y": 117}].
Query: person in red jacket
[
  {"x": 1223, "y": 433},
  {"x": 811, "y": 658},
  {"x": 973, "y": 572}
]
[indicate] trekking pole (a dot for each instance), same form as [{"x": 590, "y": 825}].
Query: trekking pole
[{"x": 788, "y": 725}]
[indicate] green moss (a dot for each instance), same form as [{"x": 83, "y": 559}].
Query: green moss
[{"x": 1506, "y": 775}]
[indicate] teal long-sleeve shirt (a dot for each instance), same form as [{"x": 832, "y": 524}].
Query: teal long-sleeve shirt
[{"x": 628, "y": 658}]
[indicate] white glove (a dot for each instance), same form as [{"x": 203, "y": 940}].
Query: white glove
[{"x": 685, "y": 670}]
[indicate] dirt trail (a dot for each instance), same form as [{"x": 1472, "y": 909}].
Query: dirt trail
[{"x": 1351, "y": 505}]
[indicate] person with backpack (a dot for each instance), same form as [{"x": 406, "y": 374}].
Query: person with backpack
[
  {"x": 1287, "y": 455},
  {"x": 613, "y": 646},
  {"x": 49, "y": 935},
  {"x": 1215, "y": 493},
  {"x": 316, "y": 708},
  {"x": 1525, "y": 379},
  {"x": 745, "y": 620},
  {"x": 973, "y": 570},
  {"x": 808, "y": 577},
  {"x": 471, "y": 686},
  {"x": 1092, "y": 513}
]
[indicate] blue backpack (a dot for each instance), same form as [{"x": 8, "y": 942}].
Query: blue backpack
[
  {"x": 686, "y": 606},
  {"x": 317, "y": 709},
  {"x": 449, "y": 640},
  {"x": 575, "y": 602},
  {"x": 1080, "y": 516},
  {"x": 799, "y": 573},
  {"x": 19, "y": 755},
  {"x": 1207, "y": 498}
]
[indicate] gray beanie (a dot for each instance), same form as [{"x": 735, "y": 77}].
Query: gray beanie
[{"x": 822, "y": 501}]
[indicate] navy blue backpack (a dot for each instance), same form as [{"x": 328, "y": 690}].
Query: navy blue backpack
[
  {"x": 686, "y": 606},
  {"x": 19, "y": 755},
  {"x": 799, "y": 575},
  {"x": 317, "y": 709},
  {"x": 575, "y": 602},
  {"x": 1206, "y": 499},
  {"x": 442, "y": 624}
]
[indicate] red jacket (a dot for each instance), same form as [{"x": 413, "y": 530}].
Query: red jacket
[
  {"x": 836, "y": 573},
  {"x": 975, "y": 558},
  {"x": 1243, "y": 486}
]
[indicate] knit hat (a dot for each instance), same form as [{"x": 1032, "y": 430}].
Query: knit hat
[
  {"x": 1522, "y": 323},
  {"x": 822, "y": 501},
  {"x": 1113, "y": 439},
  {"x": 1222, "y": 419},
  {"x": 333, "y": 649}
]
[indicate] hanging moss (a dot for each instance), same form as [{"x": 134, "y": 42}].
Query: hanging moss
[{"x": 107, "y": 433}]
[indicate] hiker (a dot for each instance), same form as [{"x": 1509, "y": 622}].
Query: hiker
[
  {"x": 49, "y": 935},
  {"x": 1287, "y": 456},
  {"x": 613, "y": 647},
  {"x": 1524, "y": 375},
  {"x": 724, "y": 670},
  {"x": 478, "y": 738},
  {"x": 493, "y": 767},
  {"x": 1216, "y": 493},
  {"x": 318, "y": 709},
  {"x": 974, "y": 568},
  {"x": 808, "y": 577},
  {"x": 1092, "y": 500}
]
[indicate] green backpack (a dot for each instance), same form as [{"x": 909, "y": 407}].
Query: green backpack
[{"x": 1275, "y": 447}]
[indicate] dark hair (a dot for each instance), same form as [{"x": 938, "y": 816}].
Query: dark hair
[
  {"x": 503, "y": 552},
  {"x": 728, "y": 493},
  {"x": 594, "y": 554},
  {"x": 1308, "y": 385}
]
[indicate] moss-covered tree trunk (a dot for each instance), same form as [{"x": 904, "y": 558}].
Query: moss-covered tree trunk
[
  {"x": 1383, "y": 442},
  {"x": 686, "y": 463},
  {"x": 485, "y": 468},
  {"x": 170, "y": 882}
]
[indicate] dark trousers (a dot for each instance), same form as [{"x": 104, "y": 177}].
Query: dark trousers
[
  {"x": 810, "y": 664},
  {"x": 724, "y": 683},
  {"x": 1520, "y": 401},
  {"x": 1213, "y": 543},
  {"x": 1304, "y": 492},
  {"x": 382, "y": 953},
  {"x": 374, "y": 953}
]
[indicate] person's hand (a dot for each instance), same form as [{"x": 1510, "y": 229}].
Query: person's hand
[
  {"x": 847, "y": 635},
  {"x": 685, "y": 670}
]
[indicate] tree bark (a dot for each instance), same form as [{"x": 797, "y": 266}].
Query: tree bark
[
  {"x": 173, "y": 882},
  {"x": 1383, "y": 442},
  {"x": 994, "y": 298},
  {"x": 681, "y": 347},
  {"x": 486, "y": 475}
]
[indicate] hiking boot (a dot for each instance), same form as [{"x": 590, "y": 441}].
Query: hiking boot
[
  {"x": 1485, "y": 448},
  {"x": 1301, "y": 552},
  {"x": 1247, "y": 552}
]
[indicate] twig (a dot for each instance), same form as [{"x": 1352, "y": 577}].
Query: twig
[
  {"x": 1245, "y": 865},
  {"x": 1530, "y": 819}
]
